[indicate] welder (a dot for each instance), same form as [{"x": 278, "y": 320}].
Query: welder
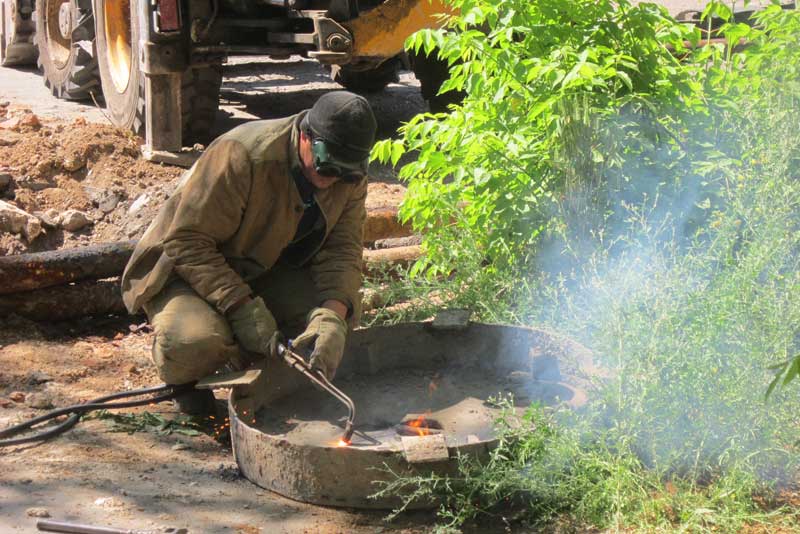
[{"x": 263, "y": 235}]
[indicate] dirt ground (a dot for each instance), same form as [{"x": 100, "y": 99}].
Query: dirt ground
[
  {"x": 141, "y": 480},
  {"x": 65, "y": 156}
]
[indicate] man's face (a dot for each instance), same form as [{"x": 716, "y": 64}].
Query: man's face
[{"x": 307, "y": 162}]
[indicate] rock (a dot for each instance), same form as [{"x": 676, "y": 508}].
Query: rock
[
  {"x": 73, "y": 220},
  {"x": 44, "y": 167},
  {"x": 109, "y": 202},
  {"x": 138, "y": 204},
  {"x": 109, "y": 502},
  {"x": 73, "y": 162},
  {"x": 6, "y": 141},
  {"x": 10, "y": 124},
  {"x": 49, "y": 217},
  {"x": 37, "y": 512},
  {"x": 38, "y": 377},
  {"x": 34, "y": 184},
  {"x": 40, "y": 401},
  {"x": 17, "y": 396},
  {"x": 180, "y": 447},
  {"x": 5, "y": 179},
  {"x": 30, "y": 120},
  {"x": 6, "y": 403},
  {"x": 16, "y": 221}
]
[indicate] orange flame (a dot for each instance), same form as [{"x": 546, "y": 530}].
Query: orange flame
[
  {"x": 343, "y": 443},
  {"x": 420, "y": 424}
]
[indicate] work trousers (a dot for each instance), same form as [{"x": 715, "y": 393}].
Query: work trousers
[{"x": 193, "y": 340}]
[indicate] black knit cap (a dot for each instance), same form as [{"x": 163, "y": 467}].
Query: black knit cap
[{"x": 346, "y": 122}]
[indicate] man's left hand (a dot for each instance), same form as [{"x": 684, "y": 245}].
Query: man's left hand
[{"x": 326, "y": 333}]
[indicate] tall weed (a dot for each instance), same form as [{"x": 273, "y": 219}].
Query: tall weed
[{"x": 673, "y": 254}]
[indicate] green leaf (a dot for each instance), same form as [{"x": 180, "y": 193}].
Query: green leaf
[{"x": 622, "y": 75}]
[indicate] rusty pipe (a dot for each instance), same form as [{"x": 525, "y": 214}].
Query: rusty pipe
[
  {"x": 76, "y": 528},
  {"x": 298, "y": 363}
]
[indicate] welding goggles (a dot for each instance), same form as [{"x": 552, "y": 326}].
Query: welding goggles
[{"x": 326, "y": 164}]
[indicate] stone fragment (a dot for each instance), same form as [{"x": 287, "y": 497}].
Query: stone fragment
[
  {"x": 138, "y": 204},
  {"x": 17, "y": 396},
  {"x": 39, "y": 377},
  {"x": 34, "y": 184},
  {"x": 48, "y": 217},
  {"x": 180, "y": 447},
  {"x": 16, "y": 221},
  {"x": 6, "y": 403},
  {"x": 5, "y": 179},
  {"x": 10, "y": 124},
  {"x": 40, "y": 401},
  {"x": 37, "y": 512},
  {"x": 31, "y": 120},
  {"x": 109, "y": 502},
  {"x": 9, "y": 141},
  {"x": 109, "y": 202},
  {"x": 44, "y": 167},
  {"x": 73, "y": 162},
  {"x": 73, "y": 220}
]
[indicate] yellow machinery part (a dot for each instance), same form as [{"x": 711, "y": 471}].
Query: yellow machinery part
[{"x": 381, "y": 32}]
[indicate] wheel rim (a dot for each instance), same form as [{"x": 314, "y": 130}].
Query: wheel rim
[
  {"x": 58, "y": 25},
  {"x": 117, "y": 22}
]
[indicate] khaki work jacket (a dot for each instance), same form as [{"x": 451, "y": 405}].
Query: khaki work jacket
[{"x": 235, "y": 211}]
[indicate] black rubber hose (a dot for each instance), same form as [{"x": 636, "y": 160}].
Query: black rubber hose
[{"x": 100, "y": 403}]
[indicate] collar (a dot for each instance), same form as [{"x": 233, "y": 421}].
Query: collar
[{"x": 304, "y": 187}]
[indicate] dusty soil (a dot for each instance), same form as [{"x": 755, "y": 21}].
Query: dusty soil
[
  {"x": 97, "y": 169},
  {"x": 141, "y": 480}
]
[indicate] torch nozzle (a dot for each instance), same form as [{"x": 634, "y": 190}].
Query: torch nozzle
[{"x": 297, "y": 362}]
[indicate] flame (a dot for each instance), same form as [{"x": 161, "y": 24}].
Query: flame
[
  {"x": 342, "y": 443},
  {"x": 420, "y": 424}
]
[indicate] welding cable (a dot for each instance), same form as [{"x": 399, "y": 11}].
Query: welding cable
[{"x": 160, "y": 394}]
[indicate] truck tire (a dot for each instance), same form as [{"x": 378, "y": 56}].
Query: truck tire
[
  {"x": 65, "y": 39},
  {"x": 367, "y": 81},
  {"x": 431, "y": 72},
  {"x": 124, "y": 82},
  {"x": 118, "y": 58},
  {"x": 17, "y": 29}
]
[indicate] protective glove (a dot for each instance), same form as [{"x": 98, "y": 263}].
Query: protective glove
[
  {"x": 326, "y": 333},
  {"x": 254, "y": 326}
]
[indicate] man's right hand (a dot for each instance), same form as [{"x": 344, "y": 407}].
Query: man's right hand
[{"x": 253, "y": 325}]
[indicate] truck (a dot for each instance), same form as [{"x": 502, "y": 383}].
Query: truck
[{"x": 157, "y": 64}]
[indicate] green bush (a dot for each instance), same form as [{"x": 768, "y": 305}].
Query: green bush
[{"x": 557, "y": 93}]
